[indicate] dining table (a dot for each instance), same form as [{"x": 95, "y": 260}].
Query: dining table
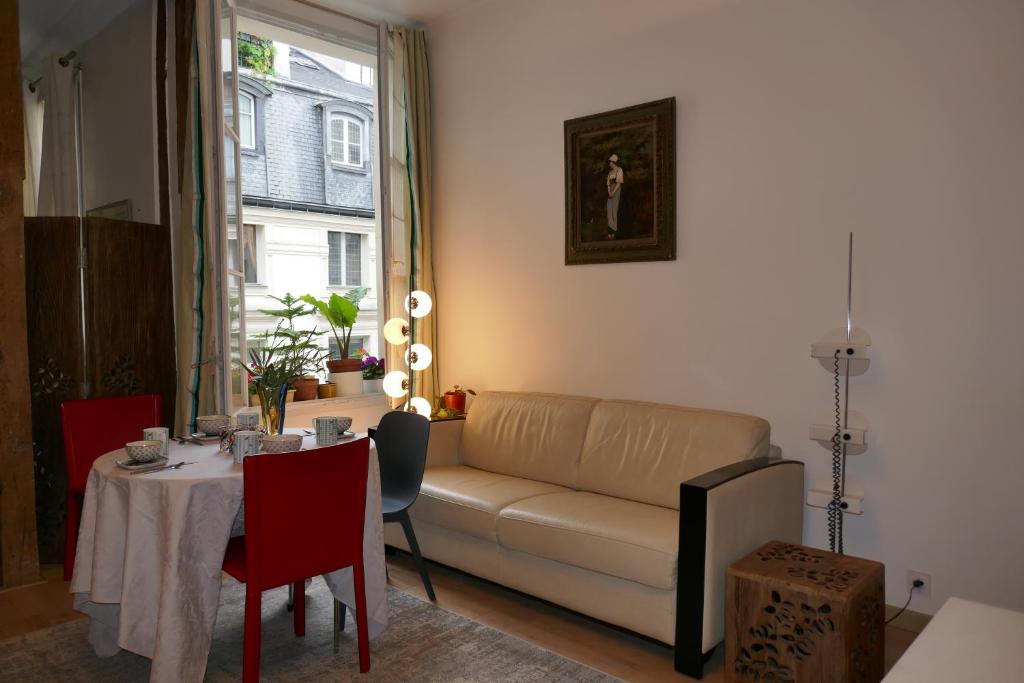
[{"x": 151, "y": 545}]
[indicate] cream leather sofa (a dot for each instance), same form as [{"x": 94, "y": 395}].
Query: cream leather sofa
[{"x": 628, "y": 512}]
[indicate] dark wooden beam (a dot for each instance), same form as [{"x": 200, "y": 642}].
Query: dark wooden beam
[{"x": 19, "y": 553}]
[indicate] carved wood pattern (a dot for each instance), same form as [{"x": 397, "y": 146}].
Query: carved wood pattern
[
  {"x": 796, "y": 615},
  {"x": 129, "y": 327}
]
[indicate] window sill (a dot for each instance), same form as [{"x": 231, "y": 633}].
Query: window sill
[
  {"x": 363, "y": 170},
  {"x": 251, "y": 152}
]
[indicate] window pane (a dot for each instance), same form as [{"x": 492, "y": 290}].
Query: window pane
[
  {"x": 334, "y": 258},
  {"x": 244, "y": 103},
  {"x": 337, "y": 138},
  {"x": 353, "y": 259},
  {"x": 252, "y": 273},
  {"x": 245, "y": 130},
  {"x": 355, "y": 143}
]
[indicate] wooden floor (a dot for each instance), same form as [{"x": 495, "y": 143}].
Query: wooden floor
[{"x": 596, "y": 645}]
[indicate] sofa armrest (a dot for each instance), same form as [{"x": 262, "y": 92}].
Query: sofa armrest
[
  {"x": 443, "y": 447},
  {"x": 724, "y": 515}
]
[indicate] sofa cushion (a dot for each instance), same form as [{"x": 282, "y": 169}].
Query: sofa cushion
[
  {"x": 643, "y": 451},
  {"x": 617, "y": 537},
  {"x": 468, "y": 500},
  {"x": 534, "y": 436}
]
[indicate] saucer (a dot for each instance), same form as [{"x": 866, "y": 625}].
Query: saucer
[{"x": 132, "y": 465}]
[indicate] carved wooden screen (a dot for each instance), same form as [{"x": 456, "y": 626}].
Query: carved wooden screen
[{"x": 129, "y": 336}]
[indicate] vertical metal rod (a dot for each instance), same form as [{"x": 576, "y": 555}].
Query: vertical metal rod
[
  {"x": 86, "y": 387},
  {"x": 846, "y": 390}
]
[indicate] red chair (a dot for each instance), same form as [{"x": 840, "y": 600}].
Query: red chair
[
  {"x": 91, "y": 428},
  {"x": 304, "y": 516}
]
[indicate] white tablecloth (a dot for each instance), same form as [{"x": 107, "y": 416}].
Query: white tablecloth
[{"x": 150, "y": 549}]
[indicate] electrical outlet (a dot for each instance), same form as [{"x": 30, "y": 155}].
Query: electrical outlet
[{"x": 924, "y": 591}]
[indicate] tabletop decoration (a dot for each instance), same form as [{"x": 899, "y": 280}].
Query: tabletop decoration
[{"x": 227, "y": 439}]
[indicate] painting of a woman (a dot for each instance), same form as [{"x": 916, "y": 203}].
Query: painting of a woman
[{"x": 613, "y": 183}]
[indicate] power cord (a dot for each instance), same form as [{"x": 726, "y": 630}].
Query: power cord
[{"x": 918, "y": 583}]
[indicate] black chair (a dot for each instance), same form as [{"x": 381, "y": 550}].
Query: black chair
[{"x": 401, "y": 440}]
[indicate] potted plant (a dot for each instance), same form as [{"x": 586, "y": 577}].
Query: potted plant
[
  {"x": 296, "y": 347},
  {"x": 271, "y": 371},
  {"x": 455, "y": 399},
  {"x": 373, "y": 374},
  {"x": 341, "y": 313}
]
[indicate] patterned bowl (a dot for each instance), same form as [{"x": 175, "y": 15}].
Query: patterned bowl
[
  {"x": 282, "y": 443},
  {"x": 213, "y": 425},
  {"x": 144, "y": 451},
  {"x": 343, "y": 424}
]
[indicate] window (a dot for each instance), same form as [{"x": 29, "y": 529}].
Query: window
[
  {"x": 247, "y": 120},
  {"x": 346, "y": 140},
  {"x": 356, "y": 343},
  {"x": 344, "y": 259},
  {"x": 251, "y": 266}
]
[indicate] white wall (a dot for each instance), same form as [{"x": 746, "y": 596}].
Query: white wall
[
  {"x": 798, "y": 121},
  {"x": 119, "y": 104}
]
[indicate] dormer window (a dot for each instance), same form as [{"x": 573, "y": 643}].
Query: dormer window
[
  {"x": 346, "y": 146},
  {"x": 346, "y": 136},
  {"x": 247, "y": 120}
]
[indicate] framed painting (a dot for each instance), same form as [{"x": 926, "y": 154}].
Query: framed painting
[{"x": 620, "y": 183}]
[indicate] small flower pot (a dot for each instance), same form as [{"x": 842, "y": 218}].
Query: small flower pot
[
  {"x": 305, "y": 388},
  {"x": 373, "y": 386},
  {"x": 455, "y": 400},
  {"x": 329, "y": 390}
]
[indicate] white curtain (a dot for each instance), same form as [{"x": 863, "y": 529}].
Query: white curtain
[
  {"x": 33, "y": 113},
  {"x": 58, "y": 170}
]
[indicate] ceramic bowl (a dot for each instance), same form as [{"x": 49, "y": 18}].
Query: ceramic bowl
[
  {"x": 213, "y": 425},
  {"x": 144, "y": 451},
  {"x": 282, "y": 443},
  {"x": 343, "y": 424}
]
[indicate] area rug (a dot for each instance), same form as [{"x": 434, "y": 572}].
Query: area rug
[{"x": 422, "y": 643}]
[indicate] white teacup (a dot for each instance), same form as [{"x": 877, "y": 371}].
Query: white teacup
[
  {"x": 247, "y": 419},
  {"x": 158, "y": 434},
  {"x": 143, "y": 451},
  {"x": 326, "y": 428},
  {"x": 246, "y": 443}
]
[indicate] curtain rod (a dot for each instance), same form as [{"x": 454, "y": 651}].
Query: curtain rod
[
  {"x": 318, "y": 6},
  {"x": 63, "y": 61}
]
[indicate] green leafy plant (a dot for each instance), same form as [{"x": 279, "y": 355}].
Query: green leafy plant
[
  {"x": 297, "y": 348},
  {"x": 256, "y": 53},
  {"x": 341, "y": 313}
]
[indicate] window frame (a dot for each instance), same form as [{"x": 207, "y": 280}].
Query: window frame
[
  {"x": 251, "y": 114},
  {"x": 347, "y": 111},
  {"x": 344, "y": 259}
]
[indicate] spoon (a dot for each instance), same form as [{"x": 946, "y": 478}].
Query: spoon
[{"x": 175, "y": 466}]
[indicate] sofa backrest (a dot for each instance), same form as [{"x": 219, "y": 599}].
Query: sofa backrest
[
  {"x": 643, "y": 451},
  {"x": 534, "y": 436}
]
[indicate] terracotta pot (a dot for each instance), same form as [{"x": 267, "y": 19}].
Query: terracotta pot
[
  {"x": 344, "y": 365},
  {"x": 455, "y": 400},
  {"x": 329, "y": 390},
  {"x": 305, "y": 388}
]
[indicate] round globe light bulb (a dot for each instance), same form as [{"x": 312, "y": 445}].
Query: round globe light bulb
[
  {"x": 396, "y": 384},
  {"x": 396, "y": 331},
  {"x": 418, "y": 304},
  {"x": 418, "y": 357},
  {"x": 420, "y": 406}
]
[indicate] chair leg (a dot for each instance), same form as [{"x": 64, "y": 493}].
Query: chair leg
[
  {"x": 362, "y": 625},
  {"x": 72, "y": 515},
  {"x": 299, "y": 591},
  {"x": 291, "y": 598},
  {"x": 339, "y": 622},
  {"x": 410, "y": 537},
  {"x": 251, "y": 636}
]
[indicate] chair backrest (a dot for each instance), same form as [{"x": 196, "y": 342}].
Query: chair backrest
[
  {"x": 401, "y": 441},
  {"x": 96, "y": 426},
  {"x": 304, "y": 512}
]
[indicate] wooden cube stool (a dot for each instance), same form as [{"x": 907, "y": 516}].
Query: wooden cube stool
[{"x": 800, "y": 615}]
